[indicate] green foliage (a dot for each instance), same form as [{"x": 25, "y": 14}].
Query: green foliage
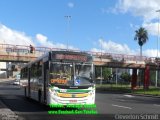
[
  {"x": 97, "y": 71},
  {"x": 140, "y": 76},
  {"x": 126, "y": 77},
  {"x": 106, "y": 72},
  {"x": 152, "y": 75},
  {"x": 141, "y": 36}
]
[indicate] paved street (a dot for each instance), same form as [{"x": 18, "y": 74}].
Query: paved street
[
  {"x": 107, "y": 104},
  {"x": 126, "y": 104}
]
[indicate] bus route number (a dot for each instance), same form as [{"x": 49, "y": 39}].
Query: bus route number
[{"x": 59, "y": 81}]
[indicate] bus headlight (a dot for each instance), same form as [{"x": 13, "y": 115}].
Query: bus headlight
[
  {"x": 90, "y": 93},
  {"x": 54, "y": 91}
]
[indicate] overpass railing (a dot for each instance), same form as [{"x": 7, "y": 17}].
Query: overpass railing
[
  {"x": 22, "y": 49},
  {"x": 120, "y": 57}
]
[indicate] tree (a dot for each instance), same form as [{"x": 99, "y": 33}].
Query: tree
[
  {"x": 152, "y": 77},
  {"x": 140, "y": 77},
  {"x": 126, "y": 77},
  {"x": 141, "y": 36},
  {"x": 106, "y": 72},
  {"x": 97, "y": 72}
]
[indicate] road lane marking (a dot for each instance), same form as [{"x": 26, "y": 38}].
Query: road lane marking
[
  {"x": 121, "y": 106},
  {"x": 121, "y": 100},
  {"x": 156, "y": 105},
  {"x": 129, "y": 96}
]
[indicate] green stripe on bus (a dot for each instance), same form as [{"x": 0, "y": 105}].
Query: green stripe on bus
[{"x": 70, "y": 90}]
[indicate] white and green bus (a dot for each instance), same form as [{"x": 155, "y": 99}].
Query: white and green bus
[{"x": 60, "y": 77}]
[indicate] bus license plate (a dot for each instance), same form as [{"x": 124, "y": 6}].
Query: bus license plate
[{"x": 72, "y": 101}]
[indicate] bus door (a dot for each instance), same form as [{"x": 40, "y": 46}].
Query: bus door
[
  {"x": 29, "y": 76},
  {"x": 45, "y": 78}
]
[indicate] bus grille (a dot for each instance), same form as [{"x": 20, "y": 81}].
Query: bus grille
[{"x": 69, "y": 95}]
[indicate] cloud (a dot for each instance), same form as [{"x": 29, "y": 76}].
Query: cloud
[
  {"x": 43, "y": 41},
  {"x": 9, "y": 36},
  {"x": 152, "y": 28},
  {"x": 133, "y": 26},
  {"x": 143, "y": 8},
  {"x": 112, "y": 47},
  {"x": 70, "y": 5},
  {"x": 117, "y": 48},
  {"x": 41, "y": 38},
  {"x": 151, "y": 53}
]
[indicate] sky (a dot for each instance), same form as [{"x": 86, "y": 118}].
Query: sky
[{"x": 93, "y": 25}]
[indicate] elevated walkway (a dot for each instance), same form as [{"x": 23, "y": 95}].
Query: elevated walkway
[{"x": 20, "y": 53}]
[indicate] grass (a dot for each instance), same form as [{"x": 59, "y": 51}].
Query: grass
[
  {"x": 150, "y": 91},
  {"x": 127, "y": 89},
  {"x": 113, "y": 87}
]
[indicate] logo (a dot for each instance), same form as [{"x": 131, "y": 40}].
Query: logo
[{"x": 77, "y": 82}]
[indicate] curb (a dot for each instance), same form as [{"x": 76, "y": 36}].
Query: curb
[
  {"x": 144, "y": 95},
  {"x": 121, "y": 92},
  {"x": 6, "y": 113}
]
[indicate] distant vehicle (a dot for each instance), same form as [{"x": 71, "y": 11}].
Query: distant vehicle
[{"x": 17, "y": 82}]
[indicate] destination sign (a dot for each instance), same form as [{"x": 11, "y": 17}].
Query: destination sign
[
  {"x": 59, "y": 81},
  {"x": 71, "y": 57}
]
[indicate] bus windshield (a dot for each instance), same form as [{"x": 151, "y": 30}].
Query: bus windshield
[{"x": 70, "y": 74}]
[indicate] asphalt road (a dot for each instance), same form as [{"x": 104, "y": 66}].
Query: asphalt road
[
  {"x": 126, "y": 104},
  {"x": 109, "y": 105}
]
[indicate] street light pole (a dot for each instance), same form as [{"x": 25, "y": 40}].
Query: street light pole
[
  {"x": 101, "y": 61},
  {"x": 68, "y": 17},
  {"x": 158, "y": 31},
  {"x": 157, "y": 45}
]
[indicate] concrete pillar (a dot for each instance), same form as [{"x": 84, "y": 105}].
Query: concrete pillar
[
  {"x": 146, "y": 78},
  {"x": 134, "y": 79}
]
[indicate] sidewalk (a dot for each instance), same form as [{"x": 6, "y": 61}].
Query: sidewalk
[{"x": 6, "y": 113}]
